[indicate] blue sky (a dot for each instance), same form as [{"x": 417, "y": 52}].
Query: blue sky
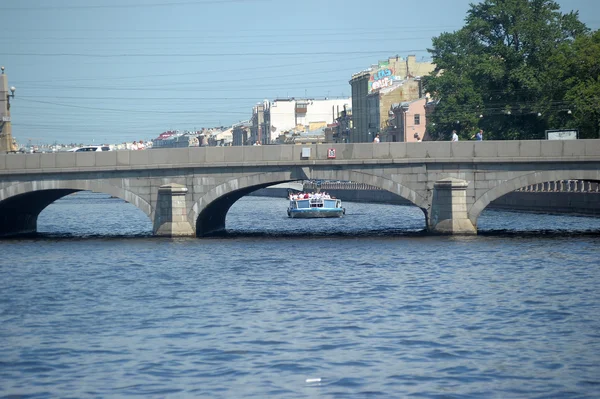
[{"x": 112, "y": 71}]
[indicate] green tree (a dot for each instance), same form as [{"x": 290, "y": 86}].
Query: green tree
[
  {"x": 575, "y": 78},
  {"x": 495, "y": 72}
]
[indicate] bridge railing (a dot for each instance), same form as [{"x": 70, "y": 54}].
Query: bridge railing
[
  {"x": 564, "y": 186},
  {"x": 312, "y": 186},
  {"x": 560, "y": 186}
]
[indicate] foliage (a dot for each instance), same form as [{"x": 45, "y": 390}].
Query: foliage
[
  {"x": 575, "y": 76},
  {"x": 514, "y": 69}
]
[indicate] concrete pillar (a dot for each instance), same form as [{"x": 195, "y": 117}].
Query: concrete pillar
[
  {"x": 170, "y": 219},
  {"x": 449, "y": 208}
]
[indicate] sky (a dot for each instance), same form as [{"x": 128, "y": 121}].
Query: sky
[{"x": 112, "y": 71}]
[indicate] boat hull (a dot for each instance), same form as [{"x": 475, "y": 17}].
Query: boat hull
[{"x": 315, "y": 213}]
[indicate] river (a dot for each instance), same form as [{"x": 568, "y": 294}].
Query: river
[{"x": 363, "y": 306}]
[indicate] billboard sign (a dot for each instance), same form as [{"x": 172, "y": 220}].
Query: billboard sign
[{"x": 562, "y": 134}]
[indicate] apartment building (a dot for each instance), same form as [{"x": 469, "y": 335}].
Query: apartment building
[{"x": 374, "y": 90}]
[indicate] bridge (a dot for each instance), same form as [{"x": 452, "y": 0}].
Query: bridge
[{"x": 188, "y": 191}]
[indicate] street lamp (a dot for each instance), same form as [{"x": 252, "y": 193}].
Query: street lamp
[{"x": 9, "y": 96}]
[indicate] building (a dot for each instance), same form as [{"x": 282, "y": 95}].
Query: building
[
  {"x": 271, "y": 120},
  {"x": 380, "y": 104},
  {"x": 260, "y": 123},
  {"x": 360, "y": 91},
  {"x": 407, "y": 121},
  {"x": 174, "y": 139},
  {"x": 374, "y": 91},
  {"x": 343, "y": 126},
  {"x": 241, "y": 133},
  {"x": 220, "y": 137}
]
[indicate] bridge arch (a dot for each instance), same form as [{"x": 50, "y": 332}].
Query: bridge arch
[
  {"x": 21, "y": 204},
  {"x": 210, "y": 210},
  {"x": 527, "y": 180}
]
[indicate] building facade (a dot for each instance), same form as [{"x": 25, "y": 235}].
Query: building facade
[
  {"x": 405, "y": 91},
  {"x": 374, "y": 90},
  {"x": 304, "y": 114},
  {"x": 407, "y": 121},
  {"x": 241, "y": 133},
  {"x": 259, "y": 131},
  {"x": 360, "y": 90}
]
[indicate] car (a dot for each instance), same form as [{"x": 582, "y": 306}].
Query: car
[{"x": 90, "y": 148}]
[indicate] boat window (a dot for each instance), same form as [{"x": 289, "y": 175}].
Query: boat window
[
  {"x": 303, "y": 204},
  {"x": 330, "y": 203}
]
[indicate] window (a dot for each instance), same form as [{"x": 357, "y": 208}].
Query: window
[{"x": 417, "y": 119}]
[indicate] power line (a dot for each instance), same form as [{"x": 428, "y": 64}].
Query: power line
[
  {"x": 188, "y": 55},
  {"x": 146, "y": 5},
  {"x": 123, "y": 110},
  {"x": 276, "y": 66}
]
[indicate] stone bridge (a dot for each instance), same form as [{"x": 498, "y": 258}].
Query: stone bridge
[{"x": 188, "y": 191}]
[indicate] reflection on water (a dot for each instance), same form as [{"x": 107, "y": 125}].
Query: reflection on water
[{"x": 363, "y": 306}]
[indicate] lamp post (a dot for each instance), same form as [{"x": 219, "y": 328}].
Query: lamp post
[{"x": 6, "y": 139}]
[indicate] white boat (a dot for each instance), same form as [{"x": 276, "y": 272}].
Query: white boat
[{"x": 316, "y": 207}]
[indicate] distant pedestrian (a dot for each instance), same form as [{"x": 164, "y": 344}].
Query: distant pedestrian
[
  {"x": 479, "y": 135},
  {"x": 454, "y": 136},
  {"x": 417, "y": 137},
  {"x": 376, "y": 139}
]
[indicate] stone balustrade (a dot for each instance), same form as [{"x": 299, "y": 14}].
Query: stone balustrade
[{"x": 563, "y": 186}]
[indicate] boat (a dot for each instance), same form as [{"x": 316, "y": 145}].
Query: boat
[{"x": 315, "y": 206}]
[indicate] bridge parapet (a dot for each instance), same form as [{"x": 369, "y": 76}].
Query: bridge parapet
[{"x": 291, "y": 155}]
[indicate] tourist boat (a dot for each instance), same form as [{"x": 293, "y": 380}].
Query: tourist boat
[{"x": 316, "y": 207}]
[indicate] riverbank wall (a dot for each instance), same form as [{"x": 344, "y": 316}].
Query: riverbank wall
[{"x": 576, "y": 203}]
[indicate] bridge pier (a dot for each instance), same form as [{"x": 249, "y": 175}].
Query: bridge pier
[
  {"x": 449, "y": 208},
  {"x": 170, "y": 219}
]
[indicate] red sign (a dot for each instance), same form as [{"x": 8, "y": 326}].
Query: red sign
[{"x": 331, "y": 153}]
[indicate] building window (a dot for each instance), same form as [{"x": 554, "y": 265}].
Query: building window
[{"x": 417, "y": 119}]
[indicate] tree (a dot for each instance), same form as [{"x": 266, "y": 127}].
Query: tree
[
  {"x": 495, "y": 73},
  {"x": 575, "y": 76}
]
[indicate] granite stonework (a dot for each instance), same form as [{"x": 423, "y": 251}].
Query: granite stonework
[
  {"x": 171, "y": 212},
  {"x": 449, "y": 208},
  {"x": 215, "y": 177}
]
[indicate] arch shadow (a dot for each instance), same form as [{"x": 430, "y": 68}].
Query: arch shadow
[
  {"x": 526, "y": 180},
  {"x": 210, "y": 211},
  {"x": 22, "y": 203}
]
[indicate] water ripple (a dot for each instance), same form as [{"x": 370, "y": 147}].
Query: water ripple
[{"x": 334, "y": 309}]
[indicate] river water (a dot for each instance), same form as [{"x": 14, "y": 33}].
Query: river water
[{"x": 363, "y": 306}]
